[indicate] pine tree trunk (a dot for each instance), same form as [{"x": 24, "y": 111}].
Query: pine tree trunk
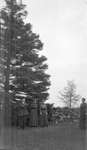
[
  {"x": 6, "y": 100},
  {"x": 7, "y": 109}
]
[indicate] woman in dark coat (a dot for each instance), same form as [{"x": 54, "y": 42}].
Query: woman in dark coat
[
  {"x": 83, "y": 108},
  {"x": 44, "y": 119}
]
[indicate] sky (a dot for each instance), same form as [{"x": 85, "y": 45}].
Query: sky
[{"x": 62, "y": 26}]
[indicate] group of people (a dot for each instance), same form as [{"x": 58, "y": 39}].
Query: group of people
[{"x": 83, "y": 114}]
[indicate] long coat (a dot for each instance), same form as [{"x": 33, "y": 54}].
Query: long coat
[
  {"x": 83, "y": 118},
  {"x": 43, "y": 117}
]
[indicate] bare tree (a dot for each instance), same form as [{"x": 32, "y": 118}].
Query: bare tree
[{"x": 68, "y": 95}]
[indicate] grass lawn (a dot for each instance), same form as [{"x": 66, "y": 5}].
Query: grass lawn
[{"x": 61, "y": 137}]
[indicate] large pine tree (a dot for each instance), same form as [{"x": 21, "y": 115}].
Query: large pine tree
[{"x": 25, "y": 68}]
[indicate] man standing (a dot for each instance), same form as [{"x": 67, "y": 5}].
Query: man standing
[{"x": 83, "y": 108}]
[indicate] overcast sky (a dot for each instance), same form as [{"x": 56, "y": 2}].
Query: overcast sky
[{"x": 62, "y": 25}]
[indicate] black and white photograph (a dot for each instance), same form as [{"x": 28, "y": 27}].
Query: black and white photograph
[{"x": 43, "y": 74}]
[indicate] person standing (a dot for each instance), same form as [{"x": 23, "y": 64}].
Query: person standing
[
  {"x": 44, "y": 119},
  {"x": 83, "y": 110}
]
